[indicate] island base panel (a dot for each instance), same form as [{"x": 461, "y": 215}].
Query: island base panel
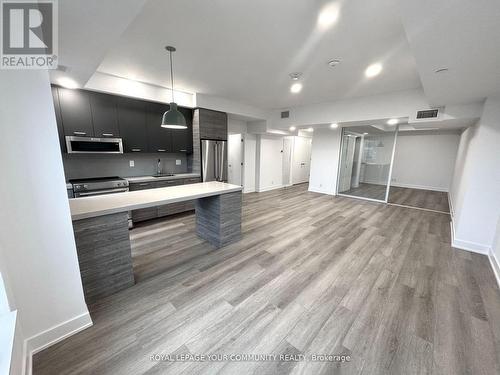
[
  {"x": 218, "y": 218},
  {"x": 104, "y": 255}
]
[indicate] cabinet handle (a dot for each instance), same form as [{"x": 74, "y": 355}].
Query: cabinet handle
[
  {"x": 107, "y": 134},
  {"x": 144, "y": 184},
  {"x": 136, "y": 150},
  {"x": 161, "y": 150},
  {"x": 79, "y": 133}
]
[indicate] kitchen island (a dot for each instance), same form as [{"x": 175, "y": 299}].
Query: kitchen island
[{"x": 100, "y": 224}]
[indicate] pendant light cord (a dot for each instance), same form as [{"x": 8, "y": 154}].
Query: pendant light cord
[{"x": 172, "y": 75}]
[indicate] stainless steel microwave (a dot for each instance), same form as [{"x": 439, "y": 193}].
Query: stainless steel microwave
[{"x": 91, "y": 145}]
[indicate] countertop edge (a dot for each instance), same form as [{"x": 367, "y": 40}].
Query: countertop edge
[{"x": 76, "y": 217}]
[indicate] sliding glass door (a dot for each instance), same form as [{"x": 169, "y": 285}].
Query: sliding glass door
[{"x": 366, "y": 158}]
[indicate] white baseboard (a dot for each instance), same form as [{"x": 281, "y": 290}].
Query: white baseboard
[
  {"x": 261, "y": 190},
  {"x": 421, "y": 187},
  {"x": 320, "y": 191},
  {"x": 495, "y": 264},
  {"x": 467, "y": 245},
  {"x": 54, "y": 335}
]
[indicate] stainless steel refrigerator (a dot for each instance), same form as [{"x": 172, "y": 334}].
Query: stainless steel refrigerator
[{"x": 213, "y": 160}]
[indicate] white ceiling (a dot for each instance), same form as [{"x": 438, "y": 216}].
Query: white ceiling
[
  {"x": 462, "y": 35},
  {"x": 244, "y": 50}
]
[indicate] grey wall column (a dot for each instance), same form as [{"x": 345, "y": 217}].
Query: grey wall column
[
  {"x": 104, "y": 255},
  {"x": 218, "y": 218}
]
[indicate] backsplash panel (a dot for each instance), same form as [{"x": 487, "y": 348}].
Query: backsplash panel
[{"x": 88, "y": 166}]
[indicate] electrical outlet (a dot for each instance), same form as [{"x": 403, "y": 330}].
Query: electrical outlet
[
  {"x": 131, "y": 164},
  {"x": 178, "y": 162}
]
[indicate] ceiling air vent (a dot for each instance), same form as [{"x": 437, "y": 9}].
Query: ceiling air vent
[
  {"x": 428, "y": 113},
  {"x": 285, "y": 114}
]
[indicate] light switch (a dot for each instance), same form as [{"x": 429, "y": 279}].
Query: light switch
[
  {"x": 178, "y": 162},
  {"x": 131, "y": 163}
]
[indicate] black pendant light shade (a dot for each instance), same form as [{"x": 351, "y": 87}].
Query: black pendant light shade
[{"x": 173, "y": 119}]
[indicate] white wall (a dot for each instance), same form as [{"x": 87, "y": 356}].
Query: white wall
[
  {"x": 425, "y": 161},
  {"x": 36, "y": 234},
  {"x": 235, "y": 126},
  {"x": 397, "y": 104},
  {"x": 249, "y": 163},
  {"x": 234, "y": 159},
  {"x": 230, "y": 106},
  {"x": 324, "y": 160},
  {"x": 121, "y": 86},
  {"x": 301, "y": 159},
  {"x": 495, "y": 253},
  {"x": 269, "y": 163},
  {"x": 475, "y": 189}
]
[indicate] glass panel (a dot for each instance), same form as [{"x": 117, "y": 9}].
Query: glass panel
[{"x": 365, "y": 161}]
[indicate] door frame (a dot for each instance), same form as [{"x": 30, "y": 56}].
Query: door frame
[{"x": 388, "y": 186}]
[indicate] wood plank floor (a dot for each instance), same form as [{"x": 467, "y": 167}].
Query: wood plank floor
[
  {"x": 372, "y": 191},
  {"x": 313, "y": 274},
  {"x": 428, "y": 199}
]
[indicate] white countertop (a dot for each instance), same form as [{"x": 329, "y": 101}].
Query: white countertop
[
  {"x": 162, "y": 178},
  {"x": 83, "y": 208}
]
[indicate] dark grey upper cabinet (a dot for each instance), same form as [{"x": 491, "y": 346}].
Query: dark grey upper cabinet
[
  {"x": 213, "y": 124},
  {"x": 132, "y": 123},
  {"x": 75, "y": 112},
  {"x": 182, "y": 139},
  {"x": 104, "y": 115},
  {"x": 159, "y": 139},
  {"x": 57, "y": 109},
  {"x": 137, "y": 122}
]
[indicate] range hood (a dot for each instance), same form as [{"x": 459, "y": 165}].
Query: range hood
[{"x": 91, "y": 145}]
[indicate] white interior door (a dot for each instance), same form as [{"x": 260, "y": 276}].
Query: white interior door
[
  {"x": 301, "y": 160},
  {"x": 235, "y": 159},
  {"x": 287, "y": 160}
]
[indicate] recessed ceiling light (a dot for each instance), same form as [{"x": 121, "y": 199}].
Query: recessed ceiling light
[
  {"x": 292, "y": 128},
  {"x": 365, "y": 133},
  {"x": 67, "y": 83},
  {"x": 373, "y": 70},
  {"x": 392, "y": 121},
  {"x": 441, "y": 70},
  {"x": 328, "y": 15},
  {"x": 309, "y": 130},
  {"x": 296, "y": 88},
  {"x": 333, "y": 63},
  {"x": 295, "y": 76},
  {"x": 334, "y": 125}
]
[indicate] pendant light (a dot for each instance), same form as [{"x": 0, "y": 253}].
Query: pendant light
[{"x": 173, "y": 119}]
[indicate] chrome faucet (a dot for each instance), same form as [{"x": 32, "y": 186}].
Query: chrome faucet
[{"x": 158, "y": 167}]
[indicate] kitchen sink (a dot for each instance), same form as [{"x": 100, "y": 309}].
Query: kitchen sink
[{"x": 164, "y": 175}]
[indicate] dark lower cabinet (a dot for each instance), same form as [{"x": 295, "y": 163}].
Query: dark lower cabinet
[
  {"x": 132, "y": 123},
  {"x": 163, "y": 210},
  {"x": 104, "y": 115},
  {"x": 173, "y": 208}
]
